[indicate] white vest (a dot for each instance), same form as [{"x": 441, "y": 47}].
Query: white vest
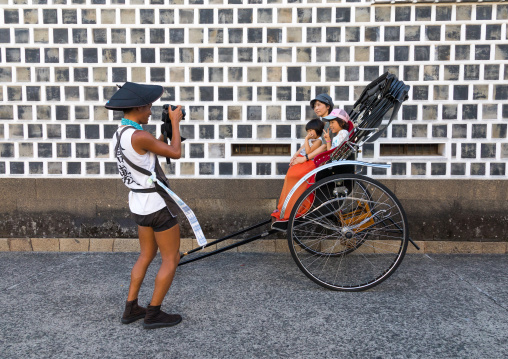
[{"x": 139, "y": 203}]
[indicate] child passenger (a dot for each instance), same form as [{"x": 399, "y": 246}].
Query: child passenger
[
  {"x": 338, "y": 124},
  {"x": 301, "y": 164},
  {"x": 312, "y": 141}
]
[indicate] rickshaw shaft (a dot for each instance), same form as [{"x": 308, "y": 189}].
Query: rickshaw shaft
[
  {"x": 227, "y": 237},
  {"x": 234, "y": 245}
]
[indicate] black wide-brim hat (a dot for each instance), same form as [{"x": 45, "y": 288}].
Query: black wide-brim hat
[{"x": 132, "y": 95}]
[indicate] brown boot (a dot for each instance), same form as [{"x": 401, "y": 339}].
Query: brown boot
[
  {"x": 133, "y": 312},
  {"x": 156, "y": 318}
]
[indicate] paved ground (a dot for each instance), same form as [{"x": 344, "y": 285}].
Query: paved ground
[{"x": 242, "y": 305}]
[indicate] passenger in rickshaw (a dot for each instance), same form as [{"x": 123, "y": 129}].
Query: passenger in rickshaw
[
  {"x": 312, "y": 141},
  {"x": 338, "y": 125},
  {"x": 322, "y": 106},
  {"x": 302, "y": 165}
]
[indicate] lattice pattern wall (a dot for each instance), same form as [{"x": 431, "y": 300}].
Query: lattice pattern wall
[{"x": 245, "y": 72}]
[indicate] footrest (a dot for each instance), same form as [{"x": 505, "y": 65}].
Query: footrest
[{"x": 280, "y": 225}]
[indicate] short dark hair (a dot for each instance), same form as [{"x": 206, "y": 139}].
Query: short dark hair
[{"x": 315, "y": 124}]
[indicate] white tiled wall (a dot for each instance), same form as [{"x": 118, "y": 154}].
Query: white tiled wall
[{"x": 245, "y": 72}]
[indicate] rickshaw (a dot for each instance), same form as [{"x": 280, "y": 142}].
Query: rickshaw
[{"x": 347, "y": 231}]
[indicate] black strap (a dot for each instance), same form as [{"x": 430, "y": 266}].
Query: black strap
[
  {"x": 144, "y": 190},
  {"x": 159, "y": 174},
  {"x": 135, "y": 167},
  {"x": 118, "y": 147}
]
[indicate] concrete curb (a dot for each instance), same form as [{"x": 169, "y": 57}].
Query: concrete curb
[{"x": 123, "y": 245}]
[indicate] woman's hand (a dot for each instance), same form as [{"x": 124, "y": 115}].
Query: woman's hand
[{"x": 298, "y": 160}]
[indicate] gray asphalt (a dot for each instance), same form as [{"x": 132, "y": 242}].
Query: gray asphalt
[{"x": 253, "y": 305}]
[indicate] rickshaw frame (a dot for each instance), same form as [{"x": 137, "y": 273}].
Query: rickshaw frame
[{"x": 343, "y": 237}]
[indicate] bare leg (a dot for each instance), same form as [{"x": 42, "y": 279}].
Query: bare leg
[
  {"x": 169, "y": 245},
  {"x": 148, "y": 251}
]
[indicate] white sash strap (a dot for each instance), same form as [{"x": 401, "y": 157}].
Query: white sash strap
[{"x": 186, "y": 210}]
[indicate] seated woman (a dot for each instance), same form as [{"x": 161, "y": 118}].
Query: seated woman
[{"x": 302, "y": 165}]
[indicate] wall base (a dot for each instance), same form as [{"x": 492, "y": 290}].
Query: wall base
[
  {"x": 261, "y": 246},
  {"x": 437, "y": 210}
]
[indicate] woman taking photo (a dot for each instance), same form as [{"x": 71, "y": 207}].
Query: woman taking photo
[{"x": 136, "y": 152}]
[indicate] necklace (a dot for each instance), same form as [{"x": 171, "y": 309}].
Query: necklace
[{"x": 126, "y": 122}]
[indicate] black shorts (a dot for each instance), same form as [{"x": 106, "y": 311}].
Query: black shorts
[{"x": 159, "y": 221}]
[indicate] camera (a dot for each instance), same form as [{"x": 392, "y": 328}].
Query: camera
[
  {"x": 165, "y": 112},
  {"x": 166, "y": 128}
]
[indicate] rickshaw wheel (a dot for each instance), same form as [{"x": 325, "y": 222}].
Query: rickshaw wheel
[{"x": 352, "y": 237}]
